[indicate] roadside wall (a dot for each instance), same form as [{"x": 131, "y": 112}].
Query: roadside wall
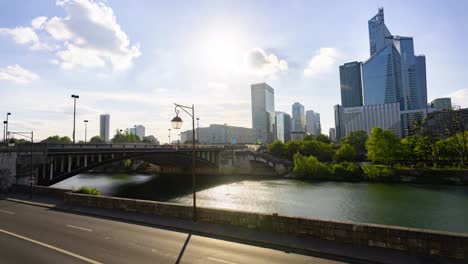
[
  {"x": 7, "y": 169},
  {"x": 426, "y": 242}
]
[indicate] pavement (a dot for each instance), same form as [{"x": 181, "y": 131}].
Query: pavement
[{"x": 45, "y": 230}]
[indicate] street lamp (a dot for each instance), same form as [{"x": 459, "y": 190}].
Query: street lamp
[
  {"x": 6, "y": 125},
  {"x": 177, "y": 124},
  {"x": 74, "y": 114},
  {"x": 4, "y": 131},
  {"x": 11, "y": 143},
  {"x": 85, "y": 130}
]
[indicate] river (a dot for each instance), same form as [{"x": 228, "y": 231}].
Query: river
[{"x": 421, "y": 206}]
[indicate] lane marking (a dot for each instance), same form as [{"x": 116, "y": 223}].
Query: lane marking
[
  {"x": 51, "y": 247},
  {"x": 6, "y": 212},
  {"x": 221, "y": 260},
  {"x": 80, "y": 228}
]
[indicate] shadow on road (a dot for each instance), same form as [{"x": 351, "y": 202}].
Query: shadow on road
[{"x": 183, "y": 249}]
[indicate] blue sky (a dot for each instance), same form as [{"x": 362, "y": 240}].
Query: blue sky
[{"x": 134, "y": 59}]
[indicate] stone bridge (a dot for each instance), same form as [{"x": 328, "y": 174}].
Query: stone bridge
[{"x": 53, "y": 163}]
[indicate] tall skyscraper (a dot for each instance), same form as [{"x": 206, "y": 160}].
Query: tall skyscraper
[
  {"x": 298, "y": 118},
  {"x": 138, "y": 130},
  {"x": 332, "y": 134},
  {"x": 283, "y": 126},
  {"x": 313, "y": 125},
  {"x": 351, "y": 84},
  {"x": 378, "y": 32},
  {"x": 104, "y": 125},
  {"x": 339, "y": 123},
  {"x": 263, "y": 112}
]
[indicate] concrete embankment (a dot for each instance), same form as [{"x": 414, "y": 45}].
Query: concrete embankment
[{"x": 411, "y": 240}]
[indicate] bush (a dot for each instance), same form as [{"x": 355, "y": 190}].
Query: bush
[
  {"x": 345, "y": 153},
  {"x": 310, "y": 167},
  {"x": 88, "y": 190},
  {"x": 346, "y": 171},
  {"x": 376, "y": 171}
]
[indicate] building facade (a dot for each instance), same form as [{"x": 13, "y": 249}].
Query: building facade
[
  {"x": 220, "y": 134},
  {"x": 313, "y": 126},
  {"x": 263, "y": 113},
  {"x": 138, "y": 130},
  {"x": 332, "y": 134},
  {"x": 298, "y": 118},
  {"x": 104, "y": 126},
  {"x": 441, "y": 104},
  {"x": 283, "y": 126},
  {"x": 351, "y": 84}
]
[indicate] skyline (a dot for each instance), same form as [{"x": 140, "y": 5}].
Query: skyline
[{"x": 138, "y": 78}]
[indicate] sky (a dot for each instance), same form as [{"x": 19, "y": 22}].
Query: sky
[{"x": 135, "y": 59}]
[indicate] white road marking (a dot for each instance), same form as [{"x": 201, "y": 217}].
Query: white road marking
[
  {"x": 51, "y": 247},
  {"x": 6, "y": 212},
  {"x": 80, "y": 228},
  {"x": 221, "y": 260}
]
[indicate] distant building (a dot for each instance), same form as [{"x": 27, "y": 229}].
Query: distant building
[
  {"x": 313, "y": 126},
  {"x": 138, "y": 130},
  {"x": 298, "y": 118},
  {"x": 385, "y": 116},
  {"x": 339, "y": 124},
  {"x": 152, "y": 139},
  {"x": 441, "y": 104},
  {"x": 332, "y": 134},
  {"x": 104, "y": 126},
  {"x": 351, "y": 84},
  {"x": 220, "y": 134},
  {"x": 263, "y": 113},
  {"x": 283, "y": 126},
  {"x": 446, "y": 122}
]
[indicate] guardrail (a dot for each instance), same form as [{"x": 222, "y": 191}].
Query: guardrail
[{"x": 129, "y": 146}]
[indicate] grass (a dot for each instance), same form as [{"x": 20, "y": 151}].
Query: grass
[{"x": 88, "y": 190}]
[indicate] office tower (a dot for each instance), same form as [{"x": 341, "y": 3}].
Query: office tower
[
  {"x": 298, "y": 118},
  {"x": 263, "y": 113},
  {"x": 332, "y": 134},
  {"x": 220, "y": 134},
  {"x": 441, "y": 104},
  {"x": 351, "y": 84},
  {"x": 104, "y": 126},
  {"x": 339, "y": 125},
  {"x": 421, "y": 82},
  {"x": 378, "y": 33},
  {"x": 283, "y": 126},
  {"x": 385, "y": 116},
  {"x": 138, "y": 130},
  {"x": 313, "y": 125}
]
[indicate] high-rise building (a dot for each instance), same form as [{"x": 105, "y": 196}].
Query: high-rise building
[
  {"x": 332, "y": 134},
  {"x": 339, "y": 124},
  {"x": 298, "y": 118},
  {"x": 104, "y": 122},
  {"x": 313, "y": 126},
  {"x": 283, "y": 126},
  {"x": 220, "y": 134},
  {"x": 421, "y": 90},
  {"x": 441, "y": 104},
  {"x": 351, "y": 84},
  {"x": 263, "y": 113},
  {"x": 138, "y": 130},
  {"x": 378, "y": 33}
]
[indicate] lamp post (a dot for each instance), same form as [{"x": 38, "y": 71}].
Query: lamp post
[
  {"x": 4, "y": 131},
  {"x": 6, "y": 125},
  {"x": 85, "y": 130},
  {"x": 177, "y": 124},
  {"x": 74, "y": 114},
  {"x": 29, "y": 135}
]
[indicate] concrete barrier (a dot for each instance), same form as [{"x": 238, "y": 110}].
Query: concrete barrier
[
  {"x": 41, "y": 190},
  {"x": 426, "y": 242}
]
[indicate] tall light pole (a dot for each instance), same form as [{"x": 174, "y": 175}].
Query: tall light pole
[
  {"x": 85, "y": 130},
  {"x": 177, "y": 124},
  {"x": 29, "y": 135},
  {"x": 4, "y": 131},
  {"x": 6, "y": 125},
  {"x": 198, "y": 130},
  {"x": 74, "y": 114}
]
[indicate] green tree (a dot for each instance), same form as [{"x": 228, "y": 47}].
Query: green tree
[
  {"x": 277, "y": 149},
  {"x": 57, "y": 139},
  {"x": 310, "y": 167},
  {"x": 308, "y": 138},
  {"x": 322, "y": 138},
  {"x": 97, "y": 140},
  {"x": 345, "y": 153},
  {"x": 383, "y": 147},
  {"x": 125, "y": 137},
  {"x": 292, "y": 147},
  {"x": 322, "y": 151},
  {"x": 358, "y": 140}
]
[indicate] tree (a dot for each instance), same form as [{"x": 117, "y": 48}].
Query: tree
[
  {"x": 308, "y": 138},
  {"x": 277, "y": 149},
  {"x": 318, "y": 149},
  {"x": 292, "y": 147},
  {"x": 357, "y": 139},
  {"x": 383, "y": 146},
  {"x": 97, "y": 140},
  {"x": 453, "y": 125},
  {"x": 57, "y": 139},
  {"x": 345, "y": 153},
  {"x": 125, "y": 137},
  {"x": 322, "y": 138}
]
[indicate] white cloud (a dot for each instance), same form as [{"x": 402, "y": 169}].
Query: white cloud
[
  {"x": 324, "y": 61},
  {"x": 38, "y": 22},
  {"x": 261, "y": 63},
  {"x": 17, "y": 74},
  {"x": 21, "y": 35},
  {"x": 460, "y": 97}
]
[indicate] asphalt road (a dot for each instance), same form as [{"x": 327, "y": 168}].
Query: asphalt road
[{"x": 30, "y": 234}]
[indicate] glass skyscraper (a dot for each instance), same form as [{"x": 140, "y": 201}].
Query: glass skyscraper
[
  {"x": 283, "y": 126},
  {"x": 263, "y": 113},
  {"x": 298, "y": 118},
  {"x": 351, "y": 84}
]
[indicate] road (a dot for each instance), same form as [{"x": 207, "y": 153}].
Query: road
[{"x": 31, "y": 234}]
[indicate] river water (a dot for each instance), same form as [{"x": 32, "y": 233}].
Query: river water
[{"x": 422, "y": 206}]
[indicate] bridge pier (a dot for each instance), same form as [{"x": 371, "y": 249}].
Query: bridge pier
[
  {"x": 69, "y": 163},
  {"x": 86, "y": 160},
  {"x": 51, "y": 174}
]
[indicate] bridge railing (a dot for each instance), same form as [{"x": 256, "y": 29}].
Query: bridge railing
[{"x": 128, "y": 146}]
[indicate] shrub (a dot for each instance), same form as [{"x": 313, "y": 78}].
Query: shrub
[
  {"x": 376, "y": 171},
  {"x": 88, "y": 190},
  {"x": 310, "y": 167},
  {"x": 345, "y": 153}
]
